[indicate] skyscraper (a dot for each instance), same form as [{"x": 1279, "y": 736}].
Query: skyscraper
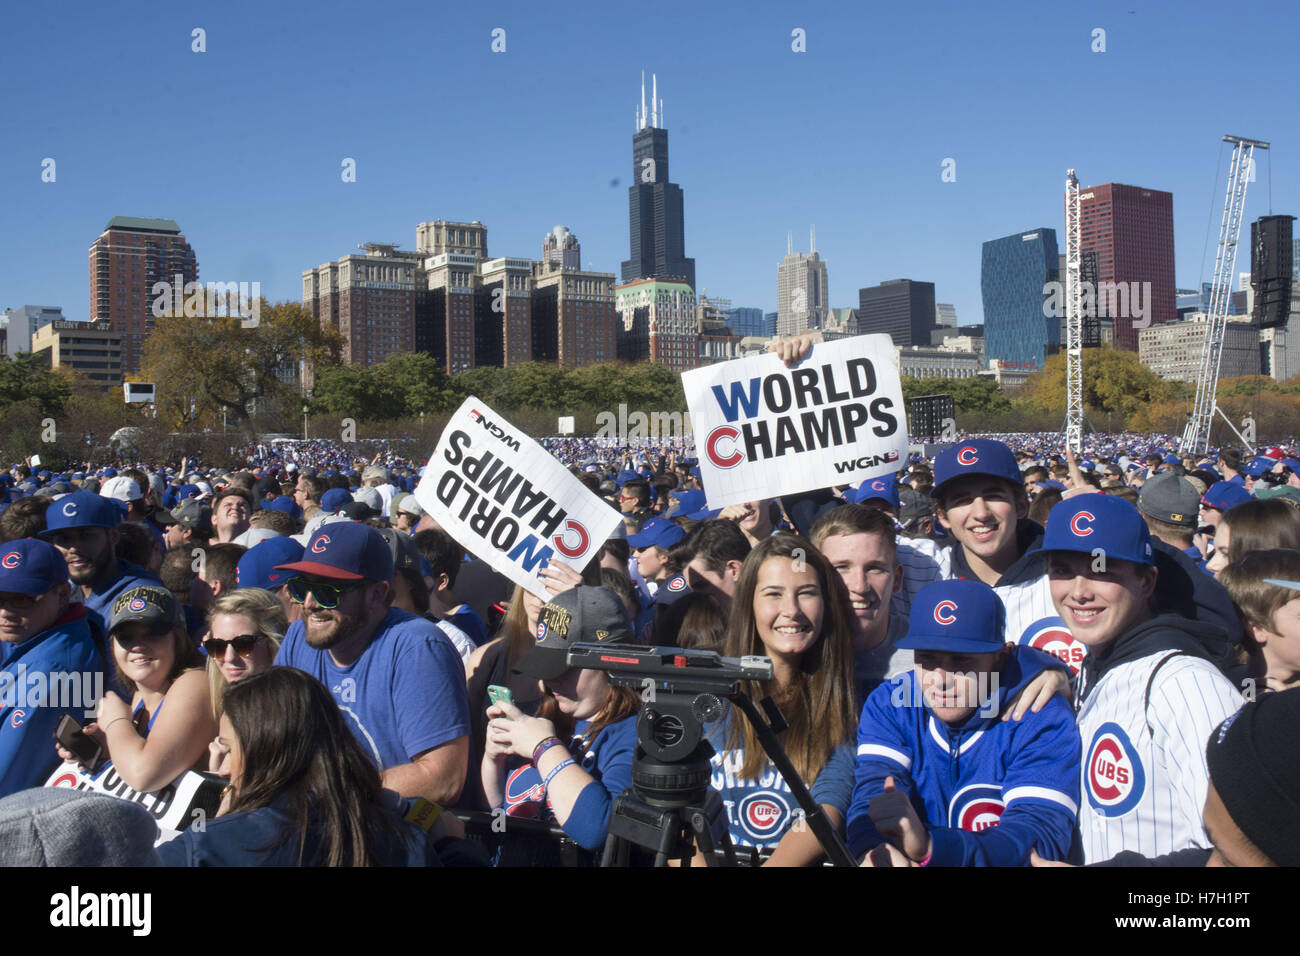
[
  {"x": 126, "y": 261},
  {"x": 656, "y": 222},
  {"x": 901, "y": 307},
  {"x": 562, "y": 247},
  {"x": 1131, "y": 230},
  {"x": 368, "y": 299},
  {"x": 802, "y": 295},
  {"x": 1014, "y": 274}
]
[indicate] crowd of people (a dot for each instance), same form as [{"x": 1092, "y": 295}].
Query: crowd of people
[{"x": 1002, "y": 654}]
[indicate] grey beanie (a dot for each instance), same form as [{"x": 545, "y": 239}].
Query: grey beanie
[{"x": 55, "y": 826}]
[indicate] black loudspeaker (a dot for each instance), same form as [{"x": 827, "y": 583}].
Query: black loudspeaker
[{"x": 1270, "y": 270}]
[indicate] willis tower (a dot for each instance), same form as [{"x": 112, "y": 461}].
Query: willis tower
[{"x": 655, "y": 221}]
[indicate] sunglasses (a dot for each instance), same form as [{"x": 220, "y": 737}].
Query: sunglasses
[
  {"x": 326, "y": 595},
  {"x": 243, "y": 645}
]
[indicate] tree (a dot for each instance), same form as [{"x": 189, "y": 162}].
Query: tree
[
  {"x": 1115, "y": 383},
  {"x": 204, "y": 367}
]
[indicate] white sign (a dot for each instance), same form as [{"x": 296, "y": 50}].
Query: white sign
[
  {"x": 508, "y": 501},
  {"x": 765, "y": 430},
  {"x": 173, "y": 807},
  {"x": 565, "y": 425}
]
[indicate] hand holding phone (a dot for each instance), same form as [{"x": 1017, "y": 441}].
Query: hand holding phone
[{"x": 73, "y": 739}]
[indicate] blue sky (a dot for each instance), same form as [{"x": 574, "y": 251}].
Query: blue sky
[{"x": 242, "y": 145}]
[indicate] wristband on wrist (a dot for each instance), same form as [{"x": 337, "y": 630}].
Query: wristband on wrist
[
  {"x": 113, "y": 721},
  {"x": 546, "y": 784},
  {"x": 926, "y": 861},
  {"x": 544, "y": 746}
]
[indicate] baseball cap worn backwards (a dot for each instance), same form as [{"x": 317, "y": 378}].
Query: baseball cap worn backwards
[
  {"x": 979, "y": 456},
  {"x": 578, "y": 615},
  {"x": 1092, "y": 522},
  {"x": 347, "y": 551},
  {"x": 1170, "y": 498},
  {"x": 959, "y": 617}
]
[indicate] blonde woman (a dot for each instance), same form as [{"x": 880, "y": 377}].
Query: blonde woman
[{"x": 245, "y": 628}]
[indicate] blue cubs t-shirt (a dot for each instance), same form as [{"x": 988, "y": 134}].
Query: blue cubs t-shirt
[
  {"x": 608, "y": 761},
  {"x": 404, "y": 695},
  {"x": 761, "y": 810}
]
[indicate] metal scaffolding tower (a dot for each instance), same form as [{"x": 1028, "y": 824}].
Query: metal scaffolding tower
[
  {"x": 1196, "y": 437},
  {"x": 1074, "y": 318}
]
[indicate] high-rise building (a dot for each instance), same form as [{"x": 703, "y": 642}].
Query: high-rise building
[
  {"x": 573, "y": 317},
  {"x": 658, "y": 323},
  {"x": 453, "y": 252},
  {"x": 769, "y": 324},
  {"x": 21, "y": 324},
  {"x": 901, "y": 307},
  {"x": 562, "y": 247},
  {"x": 1131, "y": 230},
  {"x": 1015, "y": 273},
  {"x": 130, "y": 256},
  {"x": 1173, "y": 351},
  {"x": 656, "y": 222},
  {"x": 370, "y": 300},
  {"x": 802, "y": 296},
  {"x": 945, "y": 315},
  {"x": 745, "y": 321}
]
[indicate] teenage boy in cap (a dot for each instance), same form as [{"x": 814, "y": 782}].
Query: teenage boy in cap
[
  {"x": 188, "y": 525},
  {"x": 83, "y": 526},
  {"x": 651, "y": 546},
  {"x": 395, "y": 676},
  {"x": 1150, "y": 690},
  {"x": 1171, "y": 504},
  {"x": 939, "y": 776},
  {"x": 51, "y": 664}
]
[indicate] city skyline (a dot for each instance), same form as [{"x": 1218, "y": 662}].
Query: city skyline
[{"x": 255, "y": 182}]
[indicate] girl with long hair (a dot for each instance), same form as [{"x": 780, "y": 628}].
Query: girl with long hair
[
  {"x": 790, "y": 606},
  {"x": 302, "y": 792}
]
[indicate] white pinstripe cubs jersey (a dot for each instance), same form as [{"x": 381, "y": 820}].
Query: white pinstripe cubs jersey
[
  {"x": 1031, "y": 617},
  {"x": 1143, "y": 790}
]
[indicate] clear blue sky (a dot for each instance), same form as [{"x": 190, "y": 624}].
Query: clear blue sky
[{"x": 242, "y": 144}]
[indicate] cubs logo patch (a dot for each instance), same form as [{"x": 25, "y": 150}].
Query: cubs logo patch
[
  {"x": 16, "y": 718},
  {"x": 1077, "y": 523},
  {"x": 976, "y": 807},
  {"x": 541, "y": 631},
  {"x": 12, "y": 559},
  {"x": 70, "y": 509},
  {"x": 1050, "y": 634},
  {"x": 967, "y": 456},
  {"x": 525, "y": 794},
  {"x": 320, "y": 544},
  {"x": 1112, "y": 773},
  {"x": 677, "y": 584},
  {"x": 943, "y": 612},
  {"x": 762, "y": 814},
  {"x": 136, "y": 604}
]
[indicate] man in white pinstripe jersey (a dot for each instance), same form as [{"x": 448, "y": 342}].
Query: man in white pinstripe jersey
[{"x": 1150, "y": 691}]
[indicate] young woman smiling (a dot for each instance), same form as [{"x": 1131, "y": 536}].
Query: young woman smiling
[
  {"x": 791, "y": 606},
  {"x": 153, "y": 658}
]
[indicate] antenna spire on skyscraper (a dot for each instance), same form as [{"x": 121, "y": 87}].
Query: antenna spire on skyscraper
[
  {"x": 812, "y": 240},
  {"x": 654, "y": 100},
  {"x": 640, "y": 123},
  {"x": 789, "y": 243}
]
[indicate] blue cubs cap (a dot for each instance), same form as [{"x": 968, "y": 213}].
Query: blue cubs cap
[
  {"x": 687, "y": 501},
  {"x": 345, "y": 550},
  {"x": 704, "y": 514},
  {"x": 979, "y": 456},
  {"x": 286, "y": 504},
  {"x": 257, "y": 566},
  {"x": 334, "y": 499},
  {"x": 81, "y": 509},
  {"x": 1224, "y": 495},
  {"x": 961, "y": 617},
  {"x": 1258, "y": 465},
  {"x": 884, "y": 488},
  {"x": 657, "y": 532},
  {"x": 30, "y": 566},
  {"x": 1086, "y": 523}
]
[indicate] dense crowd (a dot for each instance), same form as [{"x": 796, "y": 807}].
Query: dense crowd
[{"x": 1000, "y": 655}]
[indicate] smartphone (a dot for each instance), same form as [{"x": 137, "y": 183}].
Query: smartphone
[
  {"x": 71, "y": 737},
  {"x": 497, "y": 693}
]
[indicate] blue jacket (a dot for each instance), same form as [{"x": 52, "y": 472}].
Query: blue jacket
[
  {"x": 59, "y": 671},
  {"x": 988, "y": 791}
]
